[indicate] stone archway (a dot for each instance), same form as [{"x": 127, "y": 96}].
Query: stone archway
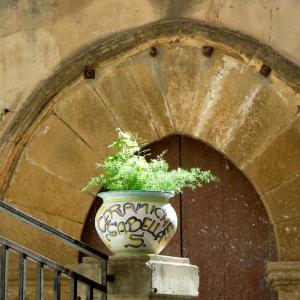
[{"x": 50, "y": 148}]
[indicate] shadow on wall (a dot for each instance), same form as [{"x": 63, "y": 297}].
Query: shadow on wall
[
  {"x": 45, "y": 7},
  {"x": 4, "y": 4},
  {"x": 174, "y": 8}
]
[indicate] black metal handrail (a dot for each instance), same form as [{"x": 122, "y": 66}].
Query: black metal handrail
[
  {"x": 42, "y": 261},
  {"x": 67, "y": 239},
  {"x": 6, "y": 245}
]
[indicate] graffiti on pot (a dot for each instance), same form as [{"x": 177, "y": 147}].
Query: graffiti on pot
[{"x": 136, "y": 221}]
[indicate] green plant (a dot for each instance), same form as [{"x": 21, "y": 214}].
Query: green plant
[{"x": 127, "y": 169}]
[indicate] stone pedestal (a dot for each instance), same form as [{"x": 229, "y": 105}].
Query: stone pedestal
[
  {"x": 285, "y": 278},
  {"x": 144, "y": 277}
]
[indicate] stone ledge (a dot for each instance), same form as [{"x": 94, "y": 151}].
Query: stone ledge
[
  {"x": 152, "y": 277},
  {"x": 284, "y": 275}
]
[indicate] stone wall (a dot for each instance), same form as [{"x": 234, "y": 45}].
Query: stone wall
[
  {"x": 55, "y": 124},
  {"x": 222, "y": 100},
  {"x": 36, "y": 36}
]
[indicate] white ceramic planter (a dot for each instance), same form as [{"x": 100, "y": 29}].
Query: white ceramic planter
[{"x": 134, "y": 222}]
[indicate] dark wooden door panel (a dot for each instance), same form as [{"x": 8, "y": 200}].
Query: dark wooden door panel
[
  {"x": 230, "y": 231},
  {"x": 202, "y": 216},
  {"x": 247, "y": 238}
]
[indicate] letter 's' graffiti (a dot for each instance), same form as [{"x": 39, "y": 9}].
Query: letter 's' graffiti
[{"x": 136, "y": 241}]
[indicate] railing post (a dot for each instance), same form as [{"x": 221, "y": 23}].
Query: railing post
[
  {"x": 40, "y": 281},
  {"x": 73, "y": 293},
  {"x": 6, "y": 244},
  {"x": 57, "y": 285},
  {"x": 97, "y": 271},
  {"x": 4, "y": 271},
  {"x": 22, "y": 276},
  {"x": 103, "y": 271},
  {"x": 90, "y": 293}
]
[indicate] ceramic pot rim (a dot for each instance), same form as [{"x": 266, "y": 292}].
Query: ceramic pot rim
[{"x": 136, "y": 193}]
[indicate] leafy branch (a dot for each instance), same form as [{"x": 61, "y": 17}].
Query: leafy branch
[{"x": 127, "y": 169}]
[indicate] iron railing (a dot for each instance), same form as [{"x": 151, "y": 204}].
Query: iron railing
[{"x": 42, "y": 262}]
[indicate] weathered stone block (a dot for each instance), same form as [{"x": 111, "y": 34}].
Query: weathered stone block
[
  {"x": 34, "y": 187},
  {"x": 264, "y": 113},
  {"x": 156, "y": 102},
  {"x": 179, "y": 70},
  {"x": 283, "y": 202},
  {"x": 227, "y": 98},
  {"x": 285, "y": 278},
  {"x": 250, "y": 11},
  {"x": 60, "y": 151},
  {"x": 210, "y": 107},
  {"x": 122, "y": 97},
  {"x": 288, "y": 240},
  {"x": 152, "y": 277},
  {"x": 8, "y": 151},
  {"x": 278, "y": 161},
  {"x": 85, "y": 112},
  {"x": 27, "y": 56}
]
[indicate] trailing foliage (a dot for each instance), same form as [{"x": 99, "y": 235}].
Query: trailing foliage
[{"x": 127, "y": 169}]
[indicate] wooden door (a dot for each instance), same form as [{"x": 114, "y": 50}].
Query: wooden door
[{"x": 223, "y": 228}]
